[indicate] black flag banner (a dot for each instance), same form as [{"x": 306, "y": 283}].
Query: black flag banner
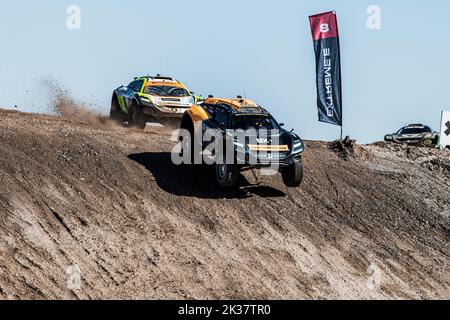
[{"x": 328, "y": 67}]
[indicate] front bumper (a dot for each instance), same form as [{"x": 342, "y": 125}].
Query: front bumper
[
  {"x": 246, "y": 157},
  {"x": 411, "y": 141},
  {"x": 164, "y": 112}
]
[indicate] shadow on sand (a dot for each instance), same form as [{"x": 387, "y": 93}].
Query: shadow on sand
[{"x": 196, "y": 181}]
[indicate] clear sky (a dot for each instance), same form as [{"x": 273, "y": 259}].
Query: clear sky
[{"x": 396, "y": 75}]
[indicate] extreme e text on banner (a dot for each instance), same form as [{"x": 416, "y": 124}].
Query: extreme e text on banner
[{"x": 328, "y": 67}]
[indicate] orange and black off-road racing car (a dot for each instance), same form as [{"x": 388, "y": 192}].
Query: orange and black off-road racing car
[{"x": 265, "y": 143}]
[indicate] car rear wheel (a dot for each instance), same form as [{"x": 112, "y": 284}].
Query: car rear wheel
[
  {"x": 293, "y": 175},
  {"x": 186, "y": 146}
]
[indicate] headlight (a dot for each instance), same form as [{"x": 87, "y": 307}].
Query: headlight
[
  {"x": 145, "y": 99},
  {"x": 298, "y": 146},
  {"x": 428, "y": 136},
  {"x": 191, "y": 100}
]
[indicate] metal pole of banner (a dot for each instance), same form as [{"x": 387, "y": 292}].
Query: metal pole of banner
[
  {"x": 340, "y": 78},
  {"x": 440, "y": 144}
]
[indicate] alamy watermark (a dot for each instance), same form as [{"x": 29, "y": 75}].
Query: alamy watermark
[
  {"x": 73, "y": 277},
  {"x": 374, "y": 19},
  {"x": 73, "y": 21},
  {"x": 375, "y": 275}
]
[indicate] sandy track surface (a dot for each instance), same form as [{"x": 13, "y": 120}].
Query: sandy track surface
[{"x": 108, "y": 201}]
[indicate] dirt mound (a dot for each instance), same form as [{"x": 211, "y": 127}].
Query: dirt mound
[
  {"x": 344, "y": 148},
  {"x": 90, "y": 212},
  {"x": 433, "y": 159}
]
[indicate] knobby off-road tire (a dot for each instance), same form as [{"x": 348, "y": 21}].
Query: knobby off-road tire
[
  {"x": 293, "y": 175},
  {"x": 226, "y": 175},
  {"x": 116, "y": 114},
  {"x": 187, "y": 146},
  {"x": 136, "y": 117}
]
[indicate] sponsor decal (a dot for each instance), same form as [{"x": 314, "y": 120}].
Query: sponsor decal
[
  {"x": 262, "y": 140},
  {"x": 266, "y": 148},
  {"x": 324, "y": 28}
]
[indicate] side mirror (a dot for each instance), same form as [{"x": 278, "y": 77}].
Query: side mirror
[
  {"x": 192, "y": 92},
  {"x": 281, "y": 124}
]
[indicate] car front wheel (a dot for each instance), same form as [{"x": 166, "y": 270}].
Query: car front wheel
[
  {"x": 226, "y": 175},
  {"x": 136, "y": 117},
  {"x": 293, "y": 175},
  {"x": 116, "y": 113}
]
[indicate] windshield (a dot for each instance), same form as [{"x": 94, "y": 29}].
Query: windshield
[
  {"x": 246, "y": 122},
  {"x": 166, "y": 91},
  {"x": 417, "y": 130}
]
